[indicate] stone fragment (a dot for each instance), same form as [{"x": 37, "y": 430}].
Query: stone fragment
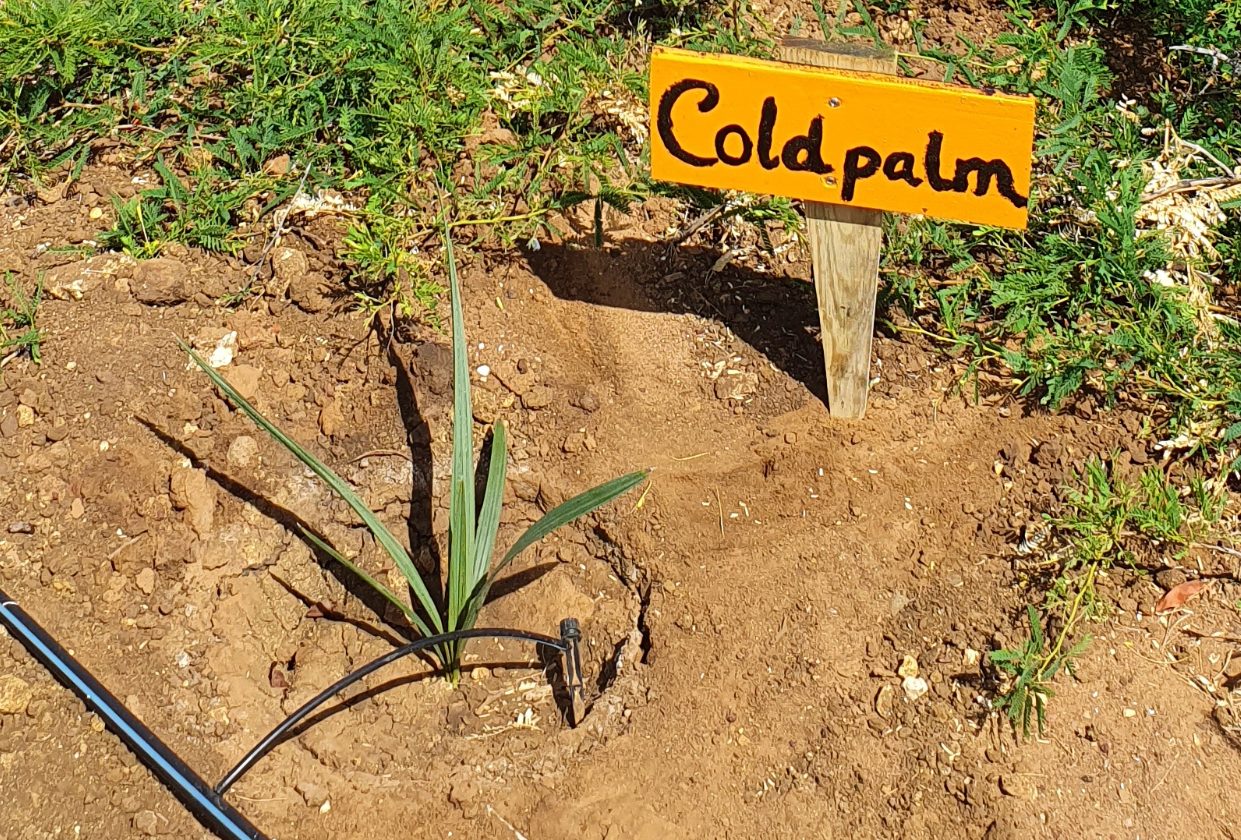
[{"x": 15, "y": 695}]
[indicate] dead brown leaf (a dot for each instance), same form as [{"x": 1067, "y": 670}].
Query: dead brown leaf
[{"x": 1178, "y": 595}]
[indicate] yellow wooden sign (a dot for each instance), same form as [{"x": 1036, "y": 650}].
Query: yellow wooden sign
[{"x": 840, "y": 137}]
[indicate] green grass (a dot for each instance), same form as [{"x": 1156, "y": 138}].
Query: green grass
[
  {"x": 377, "y": 97},
  {"x": 1067, "y": 309},
  {"x": 1106, "y": 521},
  {"x": 473, "y": 524},
  {"x": 18, "y": 331}
]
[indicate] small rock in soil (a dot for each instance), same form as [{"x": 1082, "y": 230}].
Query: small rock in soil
[
  {"x": 15, "y": 695},
  {"x": 525, "y": 489},
  {"x": 1047, "y": 454},
  {"x": 52, "y": 194},
  {"x": 314, "y": 795},
  {"x": 331, "y": 418},
  {"x": 574, "y": 443},
  {"x": 160, "y": 282},
  {"x": 1018, "y": 787},
  {"x": 309, "y": 292},
  {"x": 486, "y": 407},
  {"x": 145, "y": 580},
  {"x": 587, "y": 402},
  {"x": 21, "y": 527},
  {"x": 146, "y": 822},
  {"x": 224, "y": 351},
  {"x": 73, "y": 281},
  {"x": 909, "y": 667},
  {"x": 463, "y": 791},
  {"x": 8, "y": 426},
  {"x": 540, "y": 396},
  {"x": 245, "y": 378},
  {"x": 25, "y": 416},
  {"x": 289, "y": 264},
  {"x": 193, "y": 493},
  {"x": 243, "y": 451},
  {"x": 883, "y": 701},
  {"x": 914, "y": 688},
  {"x": 1170, "y": 578},
  {"x": 77, "y": 509}
]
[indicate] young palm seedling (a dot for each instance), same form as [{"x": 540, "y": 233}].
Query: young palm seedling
[{"x": 472, "y": 529}]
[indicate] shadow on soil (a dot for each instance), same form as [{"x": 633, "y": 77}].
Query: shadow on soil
[{"x": 775, "y": 315}]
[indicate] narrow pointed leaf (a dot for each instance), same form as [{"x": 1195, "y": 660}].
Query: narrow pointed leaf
[
  {"x": 579, "y": 505},
  {"x": 371, "y": 582},
  {"x": 395, "y": 550},
  {"x": 463, "y": 415},
  {"x": 460, "y": 546},
  {"x": 462, "y": 512},
  {"x": 489, "y": 517},
  {"x": 562, "y": 514}
]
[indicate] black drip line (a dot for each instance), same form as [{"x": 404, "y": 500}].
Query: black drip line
[{"x": 205, "y": 803}]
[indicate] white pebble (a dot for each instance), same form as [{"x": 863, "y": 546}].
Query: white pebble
[
  {"x": 914, "y": 687},
  {"x": 484, "y": 371}
]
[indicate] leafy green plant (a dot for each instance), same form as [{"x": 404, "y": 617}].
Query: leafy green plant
[
  {"x": 1104, "y": 511},
  {"x": 472, "y": 528},
  {"x": 377, "y": 96},
  {"x": 389, "y": 272},
  {"x": 1032, "y": 667},
  {"x": 1105, "y": 518},
  {"x": 203, "y": 213},
  {"x": 17, "y": 323}
]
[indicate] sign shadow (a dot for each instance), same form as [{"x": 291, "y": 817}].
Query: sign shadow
[{"x": 776, "y": 315}]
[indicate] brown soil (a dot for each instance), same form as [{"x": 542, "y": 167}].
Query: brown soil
[{"x": 945, "y": 25}]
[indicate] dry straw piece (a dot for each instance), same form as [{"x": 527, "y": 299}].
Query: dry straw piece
[{"x": 1187, "y": 211}]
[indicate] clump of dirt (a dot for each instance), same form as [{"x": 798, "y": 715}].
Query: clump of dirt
[{"x": 750, "y": 617}]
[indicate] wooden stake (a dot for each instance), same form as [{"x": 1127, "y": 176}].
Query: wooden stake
[{"x": 845, "y": 243}]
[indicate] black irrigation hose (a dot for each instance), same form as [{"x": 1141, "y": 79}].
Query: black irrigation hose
[
  {"x": 567, "y": 645},
  {"x": 207, "y": 806}
]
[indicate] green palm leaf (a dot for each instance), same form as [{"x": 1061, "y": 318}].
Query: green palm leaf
[
  {"x": 562, "y": 514},
  {"x": 461, "y": 528},
  {"x": 384, "y": 537},
  {"x": 493, "y": 499}
]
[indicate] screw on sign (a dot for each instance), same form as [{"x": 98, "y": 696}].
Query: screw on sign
[{"x": 833, "y": 127}]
